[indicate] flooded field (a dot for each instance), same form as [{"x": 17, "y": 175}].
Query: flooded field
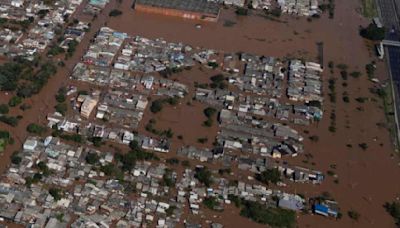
[{"x": 367, "y": 178}]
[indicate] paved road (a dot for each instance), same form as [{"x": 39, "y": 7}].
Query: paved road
[
  {"x": 389, "y": 11},
  {"x": 389, "y": 15}
]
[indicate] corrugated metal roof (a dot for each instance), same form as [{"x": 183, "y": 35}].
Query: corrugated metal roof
[{"x": 202, "y": 6}]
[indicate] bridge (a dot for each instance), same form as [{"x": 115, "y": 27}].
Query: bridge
[{"x": 392, "y": 43}]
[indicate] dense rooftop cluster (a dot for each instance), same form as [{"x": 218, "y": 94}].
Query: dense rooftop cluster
[
  {"x": 62, "y": 179},
  {"x": 44, "y": 20},
  {"x": 54, "y": 184}
]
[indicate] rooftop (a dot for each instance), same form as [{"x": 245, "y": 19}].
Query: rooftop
[{"x": 202, "y": 6}]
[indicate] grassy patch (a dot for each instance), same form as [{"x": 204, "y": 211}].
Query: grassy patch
[
  {"x": 369, "y": 8},
  {"x": 388, "y": 108},
  {"x": 3, "y": 144}
]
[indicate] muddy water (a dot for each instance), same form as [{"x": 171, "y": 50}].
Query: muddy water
[
  {"x": 367, "y": 179},
  {"x": 187, "y": 117}
]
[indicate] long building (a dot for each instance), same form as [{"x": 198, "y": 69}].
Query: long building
[{"x": 190, "y": 9}]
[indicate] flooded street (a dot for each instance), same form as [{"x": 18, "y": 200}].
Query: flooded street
[{"x": 363, "y": 175}]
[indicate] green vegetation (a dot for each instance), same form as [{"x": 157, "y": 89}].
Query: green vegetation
[
  {"x": 61, "y": 108},
  {"x": 170, "y": 210},
  {"x": 97, "y": 141},
  {"x": 92, "y": 158},
  {"x": 25, "y": 78},
  {"x": 274, "y": 217},
  {"x": 167, "y": 179},
  {"x": 332, "y": 126},
  {"x": 385, "y": 94},
  {"x": 128, "y": 160},
  {"x": 109, "y": 169},
  {"x": 3, "y": 144},
  {"x": 163, "y": 133},
  {"x": 269, "y": 175},
  {"x": 330, "y": 7},
  {"x": 55, "y": 50},
  {"x": 242, "y": 11},
  {"x": 363, "y": 146},
  {"x": 169, "y": 71},
  {"x": 5, "y": 139},
  {"x": 393, "y": 209},
  {"x": 332, "y": 88},
  {"x": 209, "y": 113},
  {"x": 172, "y": 161},
  {"x": 218, "y": 81},
  {"x": 202, "y": 140},
  {"x": 24, "y": 107},
  {"x": 4, "y": 109},
  {"x": 43, "y": 168},
  {"x": 331, "y": 66},
  {"x": 223, "y": 171},
  {"x": 60, "y": 217},
  {"x": 204, "y": 176},
  {"x": 213, "y": 65},
  {"x": 314, "y": 138},
  {"x": 355, "y": 74},
  {"x": 369, "y": 8},
  {"x": 9, "y": 75},
  {"x": 370, "y": 69},
  {"x": 9, "y": 120},
  {"x": 185, "y": 163},
  {"x": 55, "y": 193},
  {"x": 211, "y": 203},
  {"x": 361, "y": 99},
  {"x": 344, "y": 74},
  {"x": 36, "y": 129},
  {"x": 115, "y": 13},
  {"x": 276, "y": 12},
  {"x": 61, "y": 95},
  {"x": 353, "y": 215},
  {"x": 157, "y": 105},
  {"x": 14, "y": 101},
  {"x": 345, "y": 97},
  {"x": 330, "y": 173},
  {"x": 72, "y": 137},
  {"x": 372, "y": 32},
  {"x": 15, "y": 159},
  {"x": 71, "y": 48}
]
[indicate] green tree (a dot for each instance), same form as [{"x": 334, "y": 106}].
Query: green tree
[
  {"x": 204, "y": 176},
  {"x": 14, "y": 101},
  {"x": 269, "y": 175},
  {"x": 393, "y": 209},
  {"x": 115, "y": 13},
  {"x": 4, "y": 109},
  {"x": 92, "y": 158},
  {"x": 156, "y": 106},
  {"x": 372, "y": 32},
  {"x": 35, "y": 129},
  {"x": 55, "y": 193}
]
